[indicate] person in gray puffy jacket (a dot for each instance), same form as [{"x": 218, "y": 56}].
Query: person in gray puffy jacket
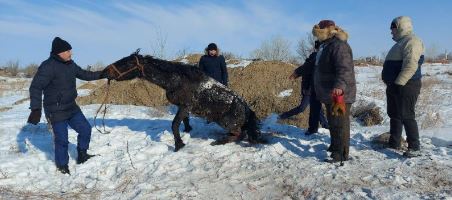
[{"x": 402, "y": 76}]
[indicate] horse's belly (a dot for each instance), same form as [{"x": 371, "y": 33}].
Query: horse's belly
[{"x": 219, "y": 106}]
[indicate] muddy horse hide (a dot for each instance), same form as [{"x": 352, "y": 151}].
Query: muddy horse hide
[{"x": 193, "y": 92}]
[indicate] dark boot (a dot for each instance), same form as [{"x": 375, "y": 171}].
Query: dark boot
[
  {"x": 411, "y": 153},
  {"x": 64, "y": 169},
  {"x": 395, "y": 130},
  {"x": 83, "y": 156}
]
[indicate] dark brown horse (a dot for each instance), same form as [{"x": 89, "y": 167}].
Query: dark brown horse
[{"x": 193, "y": 92}]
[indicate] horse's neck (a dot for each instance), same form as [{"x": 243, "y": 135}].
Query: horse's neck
[{"x": 159, "y": 77}]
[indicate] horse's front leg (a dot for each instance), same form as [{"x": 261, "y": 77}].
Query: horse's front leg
[{"x": 180, "y": 115}]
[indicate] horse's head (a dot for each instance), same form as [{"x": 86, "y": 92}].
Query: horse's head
[{"x": 127, "y": 68}]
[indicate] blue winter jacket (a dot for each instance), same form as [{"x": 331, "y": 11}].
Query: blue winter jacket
[
  {"x": 56, "y": 80},
  {"x": 215, "y": 67}
]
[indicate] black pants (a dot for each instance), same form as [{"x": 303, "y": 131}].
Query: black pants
[
  {"x": 316, "y": 114},
  {"x": 340, "y": 133},
  {"x": 401, "y": 103}
]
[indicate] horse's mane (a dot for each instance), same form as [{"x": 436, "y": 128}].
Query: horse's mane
[{"x": 192, "y": 72}]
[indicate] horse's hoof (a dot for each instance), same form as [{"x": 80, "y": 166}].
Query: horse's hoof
[
  {"x": 179, "y": 146},
  {"x": 219, "y": 142}
]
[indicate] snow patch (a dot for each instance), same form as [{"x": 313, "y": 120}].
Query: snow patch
[
  {"x": 243, "y": 63},
  {"x": 285, "y": 93}
]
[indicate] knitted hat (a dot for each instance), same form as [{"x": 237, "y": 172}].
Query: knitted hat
[
  {"x": 59, "y": 45},
  {"x": 326, "y": 23},
  {"x": 212, "y": 46}
]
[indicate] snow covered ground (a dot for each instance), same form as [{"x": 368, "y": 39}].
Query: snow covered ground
[{"x": 136, "y": 160}]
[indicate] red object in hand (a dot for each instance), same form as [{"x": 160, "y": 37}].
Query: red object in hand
[{"x": 338, "y": 108}]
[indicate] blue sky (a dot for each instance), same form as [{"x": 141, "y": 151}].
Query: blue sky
[{"x": 104, "y": 31}]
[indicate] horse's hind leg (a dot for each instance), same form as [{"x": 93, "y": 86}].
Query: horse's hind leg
[
  {"x": 187, "y": 126},
  {"x": 234, "y": 136},
  {"x": 180, "y": 115}
]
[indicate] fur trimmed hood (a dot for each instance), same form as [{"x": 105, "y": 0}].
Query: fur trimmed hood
[
  {"x": 329, "y": 32},
  {"x": 404, "y": 27}
]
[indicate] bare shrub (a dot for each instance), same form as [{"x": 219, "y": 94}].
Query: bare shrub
[
  {"x": 431, "y": 119},
  {"x": 427, "y": 104},
  {"x": 30, "y": 70},
  {"x": 180, "y": 54},
  {"x": 368, "y": 114},
  {"x": 275, "y": 49},
  {"x": 158, "y": 46},
  {"x": 305, "y": 47},
  {"x": 426, "y": 98},
  {"x": 98, "y": 66},
  {"x": 229, "y": 55},
  {"x": 368, "y": 61},
  {"x": 12, "y": 68}
]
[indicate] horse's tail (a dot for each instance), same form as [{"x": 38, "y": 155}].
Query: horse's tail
[{"x": 251, "y": 127}]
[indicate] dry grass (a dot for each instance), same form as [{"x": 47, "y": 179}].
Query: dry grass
[
  {"x": 3, "y": 109},
  {"x": 367, "y": 113},
  {"x": 427, "y": 106},
  {"x": 92, "y": 85},
  {"x": 10, "y": 193}
]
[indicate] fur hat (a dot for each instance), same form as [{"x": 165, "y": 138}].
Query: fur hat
[
  {"x": 328, "y": 31},
  {"x": 59, "y": 45},
  {"x": 326, "y": 23}
]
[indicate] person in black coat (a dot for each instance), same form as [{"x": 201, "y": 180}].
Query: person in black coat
[
  {"x": 56, "y": 79},
  {"x": 316, "y": 114},
  {"x": 213, "y": 64}
]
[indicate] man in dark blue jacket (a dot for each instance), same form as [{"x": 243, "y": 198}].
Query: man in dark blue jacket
[
  {"x": 214, "y": 65},
  {"x": 56, "y": 79}
]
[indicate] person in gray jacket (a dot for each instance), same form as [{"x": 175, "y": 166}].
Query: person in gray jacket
[
  {"x": 402, "y": 76},
  {"x": 335, "y": 85}
]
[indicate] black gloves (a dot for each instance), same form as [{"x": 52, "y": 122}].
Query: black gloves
[{"x": 35, "y": 116}]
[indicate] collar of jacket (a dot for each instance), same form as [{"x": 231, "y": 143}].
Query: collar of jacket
[
  {"x": 57, "y": 58},
  {"x": 329, "y": 40}
]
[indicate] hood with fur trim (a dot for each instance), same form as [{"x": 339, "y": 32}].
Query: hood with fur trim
[
  {"x": 404, "y": 27},
  {"x": 329, "y": 32}
]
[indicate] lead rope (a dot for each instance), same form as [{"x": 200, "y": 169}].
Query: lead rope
[{"x": 104, "y": 104}]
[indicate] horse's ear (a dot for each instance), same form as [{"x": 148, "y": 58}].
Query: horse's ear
[{"x": 137, "y": 52}]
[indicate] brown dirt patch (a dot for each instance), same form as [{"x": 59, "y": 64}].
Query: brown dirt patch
[{"x": 259, "y": 84}]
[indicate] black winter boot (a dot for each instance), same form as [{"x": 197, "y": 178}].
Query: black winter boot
[
  {"x": 83, "y": 156},
  {"x": 64, "y": 169}
]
